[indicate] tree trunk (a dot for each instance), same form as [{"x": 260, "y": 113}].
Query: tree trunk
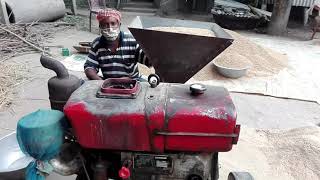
[{"x": 280, "y": 17}]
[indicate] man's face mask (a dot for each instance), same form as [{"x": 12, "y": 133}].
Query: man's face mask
[{"x": 110, "y": 33}]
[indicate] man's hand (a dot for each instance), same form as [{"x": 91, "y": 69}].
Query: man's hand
[{"x": 92, "y": 74}]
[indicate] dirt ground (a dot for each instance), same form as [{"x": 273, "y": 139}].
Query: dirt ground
[{"x": 259, "y": 116}]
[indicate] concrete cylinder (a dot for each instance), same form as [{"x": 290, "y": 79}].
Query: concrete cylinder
[{"x": 34, "y": 10}]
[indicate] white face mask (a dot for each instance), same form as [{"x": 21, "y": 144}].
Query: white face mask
[{"x": 110, "y": 34}]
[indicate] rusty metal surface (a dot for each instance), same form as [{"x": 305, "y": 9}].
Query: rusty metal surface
[
  {"x": 68, "y": 161},
  {"x": 119, "y": 88},
  {"x": 196, "y": 134},
  {"x": 211, "y": 112},
  {"x": 183, "y": 166},
  {"x": 177, "y": 57},
  {"x": 155, "y": 114},
  {"x": 132, "y": 124},
  {"x": 214, "y": 103},
  {"x": 104, "y": 123}
]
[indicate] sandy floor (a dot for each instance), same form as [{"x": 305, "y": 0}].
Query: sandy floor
[{"x": 275, "y": 154}]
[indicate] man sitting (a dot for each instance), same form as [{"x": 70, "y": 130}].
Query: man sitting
[{"x": 115, "y": 53}]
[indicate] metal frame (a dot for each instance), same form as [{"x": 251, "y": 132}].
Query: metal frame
[
  {"x": 94, "y": 11},
  {"x": 74, "y": 7},
  {"x": 103, "y": 6},
  {"x": 176, "y": 57}
]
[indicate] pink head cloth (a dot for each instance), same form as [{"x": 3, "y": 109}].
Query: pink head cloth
[{"x": 104, "y": 13}]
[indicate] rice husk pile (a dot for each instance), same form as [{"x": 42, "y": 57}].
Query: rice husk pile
[
  {"x": 263, "y": 61},
  {"x": 185, "y": 30},
  {"x": 276, "y": 154},
  {"x": 11, "y": 76}
]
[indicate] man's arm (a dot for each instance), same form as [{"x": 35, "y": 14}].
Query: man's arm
[
  {"x": 92, "y": 74},
  {"x": 91, "y": 67}
]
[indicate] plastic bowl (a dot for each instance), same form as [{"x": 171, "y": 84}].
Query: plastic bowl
[{"x": 231, "y": 72}]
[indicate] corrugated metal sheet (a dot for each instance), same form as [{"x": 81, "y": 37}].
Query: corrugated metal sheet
[{"x": 302, "y": 3}]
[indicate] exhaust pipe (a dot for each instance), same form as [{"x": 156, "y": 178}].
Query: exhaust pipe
[
  {"x": 61, "y": 86},
  {"x": 55, "y": 66}
]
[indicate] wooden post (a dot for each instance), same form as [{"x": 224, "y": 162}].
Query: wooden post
[
  {"x": 306, "y": 15},
  {"x": 280, "y": 17},
  {"x": 3, "y": 13},
  {"x": 74, "y": 7}
]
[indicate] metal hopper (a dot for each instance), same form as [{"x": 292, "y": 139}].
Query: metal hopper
[{"x": 177, "y": 57}]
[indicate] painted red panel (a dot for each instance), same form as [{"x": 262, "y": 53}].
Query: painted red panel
[
  {"x": 188, "y": 121},
  {"x": 156, "y": 123},
  {"x": 134, "y": 124},
  {"x": 120, "y": 132},
  {"x": 211, "y": 112}
]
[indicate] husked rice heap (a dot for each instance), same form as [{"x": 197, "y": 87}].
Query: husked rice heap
[
  {"x": 185, "y": 30},
  {"x": 263, "y": 61}
]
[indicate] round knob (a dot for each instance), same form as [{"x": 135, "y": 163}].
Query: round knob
[
  {"x": 124, "y": 173},
  {"x": 153, "y": 80},
  {"x": 197, "y": 89}
]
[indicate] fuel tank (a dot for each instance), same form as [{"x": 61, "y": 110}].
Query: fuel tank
[{"x": 168, "y": 118}]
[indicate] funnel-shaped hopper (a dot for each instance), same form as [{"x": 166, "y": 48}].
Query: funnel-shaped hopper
[{"x": 177, "y": 57}]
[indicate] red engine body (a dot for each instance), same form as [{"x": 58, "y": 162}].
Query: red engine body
[{"x": 162, "y": 119}]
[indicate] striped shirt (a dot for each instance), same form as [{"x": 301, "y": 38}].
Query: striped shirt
[{"x": 122, "y": 63}]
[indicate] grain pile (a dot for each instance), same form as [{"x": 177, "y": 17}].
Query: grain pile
[
  {"x": 265, "y": 62},
  {"x": 185, "y": 30},
  {"x": 276, "y": 154},
  {"x": 11, "y": 76}
]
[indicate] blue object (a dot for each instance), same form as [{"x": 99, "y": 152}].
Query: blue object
[
  {"x": 32, "y": 172},
  {"x": 40, "y": 135}
]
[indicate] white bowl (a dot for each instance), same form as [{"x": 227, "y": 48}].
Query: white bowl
[{"x": 231, "y": 72}]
